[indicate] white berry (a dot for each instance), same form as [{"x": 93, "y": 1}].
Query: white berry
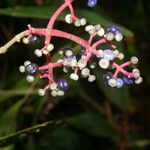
[
  {"x": 69, "y": 53},
  {"x": 25, "y": 40},
  {"x": 45, "y": 52},
  {"x": 118, "y": 37},
  {"x": 30, "y": 78},
  {"x": 50, "y": 47},
  {"x": 101, "y": 32},
  {"x": 53, "y": 86},
  {"x": 68, "y": 19},
  {"x": 121, "y": 56},
  {"x": 41, "y": 92},
  {"x": 109, "y": 36},
  {"x": 85, "y": 72},
  {"x": 112, "y": 82},
  {"x": 139, "y": 80},
  {"x": 54, "y": 93},
  {"x": 60, "y": 93},
  {"x": 26, "y": 63},
  {"x": 38, "y": 53},
  {"x": 77, "y": 23},
  {"x": 83, "y": 21},
  {"x": 82, "y": 63},
  {"x": 91, "y": 78},
  {"x": 134, "y": 60},
  {"x": 74, "y": 76},
  {"x": 89, "y": 27},
  {"x": 104, "y": 63},
  {"x": 22, "y": 69}
]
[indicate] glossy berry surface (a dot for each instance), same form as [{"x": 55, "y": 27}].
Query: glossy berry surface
[
  {"x": 107, "y": 77},
  {"x": 92, "y": 3},
  {"x": 33, "y": 39},
  {"x": 113, "y": 29},
  {"x": 119, "y": 83},
  {"x": 31, "y": 69},
  {"x": 127, "y": 80},
  {"x": 108, "y": 54},
  {"x": 63, "y": 85}
]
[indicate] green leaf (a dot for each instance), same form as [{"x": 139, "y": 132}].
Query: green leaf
[
  {"x": 45, "y": 12},
  {"x": 92, "y": 124},
  {"x": 119, "y": 97},
  {"x": 9, "y": 117}
]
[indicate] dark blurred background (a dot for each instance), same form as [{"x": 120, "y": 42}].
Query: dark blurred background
[{"x": 89, "y": 116}]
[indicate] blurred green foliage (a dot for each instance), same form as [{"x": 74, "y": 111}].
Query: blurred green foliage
[{"x": 89, "y": 116}]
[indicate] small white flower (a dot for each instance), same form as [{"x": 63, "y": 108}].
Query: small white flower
[
  {"x": 60, "y": 93},
  {"x": 85, "y": 72},
  {"x": 109, "y": 36},
  {"x": 26, "y": 63},
  {"x": 112, "y": 82},
  {"x": 104, "y": 63},
  {"x": 134, "y": 60},
  {"x": 22, "y": 69},
  {"x": 91, "y": 78},
  {"x": 53, "y": 86},
  {"x": 25, "y": 40},
  {"x": 30, "y": 78},
  {"x": 54, "y": 93},
  {"x": 68, "y": 19},
  {"x": 74, "y": 76},
  {"x": 38, "y": 53},
  {"x": 41, "y": 92},
  {"x": 139, "y": 80},
  {"x": 101, "y": 32},
  {"x": 83, "y": 21},
  {"x": 118, "y": 37}
]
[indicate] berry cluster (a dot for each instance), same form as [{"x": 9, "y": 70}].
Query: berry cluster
[{"x": 84, "y": 64}]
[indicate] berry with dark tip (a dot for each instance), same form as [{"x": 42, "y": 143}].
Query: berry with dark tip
[
  {"x": 63, "y": 85},
  {"x": 33, "y": 39},
  {"x": 127, "y": 80},
  {"x": 107, "y": 76},
  {"x": 92, "y": 3},
  {"x": 113, "y": 29},
  {"x": 31, "y": 69}
]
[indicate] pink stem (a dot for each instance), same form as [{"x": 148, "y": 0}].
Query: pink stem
[
  {"x": 102, "y": 41},
  {"x": 53, "y": 19},
  {"x": 120, "y": 69}
]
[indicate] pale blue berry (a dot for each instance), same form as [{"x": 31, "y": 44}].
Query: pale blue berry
[
  {"x": 108, "y": 54},
  {"x": 92, "y": 3},
  {"x": 119, "y": 83}
]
